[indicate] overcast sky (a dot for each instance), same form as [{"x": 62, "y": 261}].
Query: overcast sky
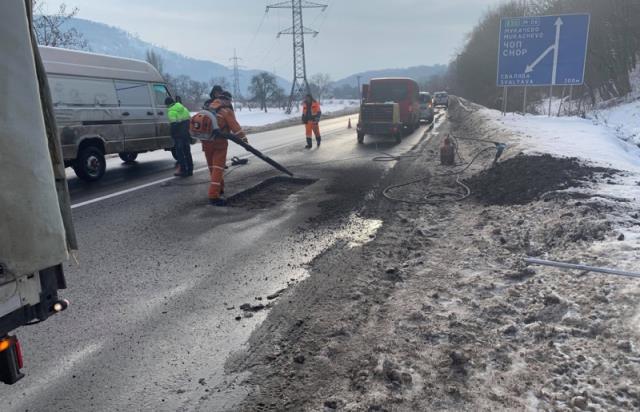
[{"x": 355, "y": 35}]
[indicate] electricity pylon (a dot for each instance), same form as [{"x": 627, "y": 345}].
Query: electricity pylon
[
  {"x": 236, "y": 76},
  {"x": 300, "y": 85}
]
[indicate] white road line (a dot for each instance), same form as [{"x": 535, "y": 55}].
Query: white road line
[
  {"x": 167, "y": 179},
  {"x": 120, "y": 193},
  {"x": 131, "y": 189}
]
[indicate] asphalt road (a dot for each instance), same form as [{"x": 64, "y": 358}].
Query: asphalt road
[{"x": 161, "y": 274}]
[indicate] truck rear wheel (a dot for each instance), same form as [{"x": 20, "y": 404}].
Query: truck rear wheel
[
  {"x": 360, "y": 137},
  {"x": 128, "y": 157},
  {"x": 90, "y": 164}
]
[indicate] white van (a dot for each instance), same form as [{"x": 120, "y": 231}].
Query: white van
[{"x": 105, "y": 105}]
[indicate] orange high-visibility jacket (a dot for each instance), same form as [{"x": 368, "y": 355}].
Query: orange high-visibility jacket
[
  {"x": 226, "y": 117},
  {"x": 314, "y": 114}
]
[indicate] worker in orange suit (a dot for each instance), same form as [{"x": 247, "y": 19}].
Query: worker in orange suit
[
  {"x": 311, "y": 118},
  {"x": 215, "y": 150}
]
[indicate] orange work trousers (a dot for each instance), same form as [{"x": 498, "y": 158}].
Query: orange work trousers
[
  {"x": 312, "y": 127},
  {"x": 216, "y": 154}
]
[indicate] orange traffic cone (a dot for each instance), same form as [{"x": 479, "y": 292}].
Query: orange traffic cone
[{"x": 349, "y": 125}]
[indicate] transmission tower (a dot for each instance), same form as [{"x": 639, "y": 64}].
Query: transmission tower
[
  {"x": 236, "y": 76},
  {"x": 300, "y": 86}
]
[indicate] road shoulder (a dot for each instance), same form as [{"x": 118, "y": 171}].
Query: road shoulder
[{"x": 438, "y": 311}]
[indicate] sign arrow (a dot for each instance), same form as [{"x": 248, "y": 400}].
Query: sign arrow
[
  {"x": 533, "y": 65},
  {"x": 558, "y": 25},
  {"x": 555, "y": 48}
]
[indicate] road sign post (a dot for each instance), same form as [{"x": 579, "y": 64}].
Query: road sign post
[{"x": 543, "y": 51}]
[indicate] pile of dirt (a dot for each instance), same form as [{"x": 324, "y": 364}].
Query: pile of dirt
[{"x": 523, "y": 179}]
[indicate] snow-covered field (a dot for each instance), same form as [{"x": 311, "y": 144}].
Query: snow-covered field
[
  {"x": 623, "y": 119},
  {"x": 255, "y": 117}
]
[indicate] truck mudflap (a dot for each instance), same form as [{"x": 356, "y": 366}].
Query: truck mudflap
[{"x": 10, "y": 360}]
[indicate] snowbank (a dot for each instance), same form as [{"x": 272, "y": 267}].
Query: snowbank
[
  {"x": 256, "y": 117},
  {"x": 571, "y": 137},
  {"x": 623, "y": 119}
]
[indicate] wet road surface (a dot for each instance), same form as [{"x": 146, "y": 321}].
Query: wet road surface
[{"x": 161, "y": 274}]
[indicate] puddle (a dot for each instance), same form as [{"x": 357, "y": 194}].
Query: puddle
[{"x": 269, "y": 193}]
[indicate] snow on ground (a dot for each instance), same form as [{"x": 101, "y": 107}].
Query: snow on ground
[
  {"x": 623, "y": 119},
  {"x": 593, "y": 143},
  {"x": 596, "y": 144},
  {"x": 622, "y": 115},
  {"x": 572, "y": 137},
  {"x": 256, "y": 117}
]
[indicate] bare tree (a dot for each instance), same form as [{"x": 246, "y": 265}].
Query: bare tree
[
  {"x": 320, "y": 85},
  {"x": 614, "y": 48},
  {"x": 197, "y": 92},
  {"x": 154, "y": 59},
  {"x": 264, "y": 88},
  {"x": 220, "y": 81},
  {"x": 50, "y": 29}
]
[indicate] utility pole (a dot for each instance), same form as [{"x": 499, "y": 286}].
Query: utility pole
[
  {"x": 300, "y": 85},
  {"x": 236, "y": 76}
]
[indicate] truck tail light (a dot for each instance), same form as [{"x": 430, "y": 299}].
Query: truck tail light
[
  {"x": 10, "y": 360},
  {"x": 19, "y": 354}
]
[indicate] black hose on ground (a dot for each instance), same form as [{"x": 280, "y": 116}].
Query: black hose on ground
[{"x": 436, "y": 197}]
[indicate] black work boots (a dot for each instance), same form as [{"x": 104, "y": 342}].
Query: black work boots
[{"x": 310, "y": 142}]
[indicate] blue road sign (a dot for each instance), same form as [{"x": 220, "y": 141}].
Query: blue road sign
[{"x": 543, "y": 50}]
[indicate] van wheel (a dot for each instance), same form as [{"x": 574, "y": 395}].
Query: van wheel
[
  {"x": 90, "y": 164},
  {"x": 398, "y": 137},
  {"x": 360, "y": 138},
  {"x": 128, "y": 157}
]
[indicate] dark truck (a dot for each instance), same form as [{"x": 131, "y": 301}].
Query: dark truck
[
  {"x": 390, "y": 107},
  {"x": 36, "y": 231}
]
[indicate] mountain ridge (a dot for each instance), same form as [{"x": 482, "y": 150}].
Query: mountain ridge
[{"x": 106, "y": 39}]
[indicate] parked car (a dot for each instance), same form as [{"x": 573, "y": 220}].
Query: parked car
[
  {"x": 441, "y": 99},
  {"x": 390, "y": 107},
  {"x": 426, "y": 107},
  {"x": 105, "y": 105}
]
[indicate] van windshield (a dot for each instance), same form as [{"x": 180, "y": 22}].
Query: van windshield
[{"x": 388, "y": 92}]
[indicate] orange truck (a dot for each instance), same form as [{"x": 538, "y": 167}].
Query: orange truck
[{"x": 390, "y": 107}]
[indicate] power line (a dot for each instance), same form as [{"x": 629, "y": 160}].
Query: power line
[
  {"x": 300, "y": 85},
  {"x": 255, "y": 35}
]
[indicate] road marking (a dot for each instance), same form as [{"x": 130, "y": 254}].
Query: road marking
[
  {"x": 120, "y": 193},
  {"x": 168, "y": 179},
  {"x": 131, "y": 189}
]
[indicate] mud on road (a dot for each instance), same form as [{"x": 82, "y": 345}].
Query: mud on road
[{"x": 437, "y": 312}]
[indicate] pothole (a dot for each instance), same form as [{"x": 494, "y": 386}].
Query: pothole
[{"x": 269, "y": 193}]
